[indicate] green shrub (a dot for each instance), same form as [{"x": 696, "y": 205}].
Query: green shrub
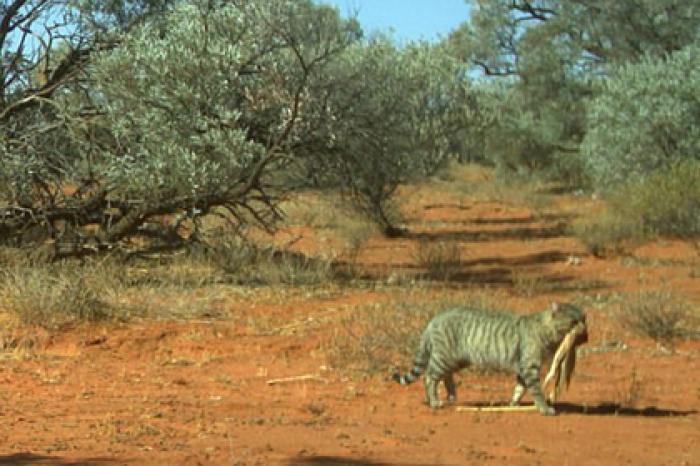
[
  {"x": 665, "y": 202},
  {"x": 643, "y": 118},
  {"x": 607, "y": 233}
]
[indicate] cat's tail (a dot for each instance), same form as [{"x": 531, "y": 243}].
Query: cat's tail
[
  {"x": 408, "y": 378},
  {"x": 419, "y": 364}
]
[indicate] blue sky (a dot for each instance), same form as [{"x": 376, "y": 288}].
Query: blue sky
[{"x": 409, "y": 19}]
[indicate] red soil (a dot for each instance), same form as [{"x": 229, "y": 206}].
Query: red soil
[{"x": 154, "y": 392}]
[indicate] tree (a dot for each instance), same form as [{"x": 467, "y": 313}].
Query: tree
[
  {"x": 548, "y": 52},
  {"x": 391, "y": 119},
  {"x": 644, "y": 118},
  {"x": 588, "y": 34},
  {"x": 193, "y": 113}
]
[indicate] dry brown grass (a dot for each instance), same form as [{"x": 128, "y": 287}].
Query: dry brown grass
[
  {"x": 660, "y": 315},
  {"x": 58, "y": 295},
  {"x": 666, "y": 202},
  {"x": 528, "y": 283},
  {"x": 483, "y": 183},
  {"x": 329, "y": 213},
  {"x": 187, "y": 285},
  {"x": 440, "y": 260},
  {"x": 607, "y": 233}
]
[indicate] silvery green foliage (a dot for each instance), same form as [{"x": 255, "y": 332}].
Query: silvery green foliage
[
  {"x": 550, "y": 50},
  {"x": 173, "y": 104},
  {"x": 196, "y": 109},
  {"x": 202, "y": 108},
  {"x": 444, "y": 104},
  {"x": 392, "y": 119},
  {"x": 644, "y": 117},
  {"x": 168, "y": 102},
  {"x": 533, "y": 133},
  {"x": 109, "y": 16},
  {"x": 590, "y": 34}
]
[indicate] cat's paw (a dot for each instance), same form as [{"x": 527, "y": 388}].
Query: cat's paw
[
  {"x": 436, "y": 404},
  {"x": 547, "y": 411}
]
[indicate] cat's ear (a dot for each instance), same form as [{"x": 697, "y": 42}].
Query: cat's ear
[{"x": 554, "y": 306}]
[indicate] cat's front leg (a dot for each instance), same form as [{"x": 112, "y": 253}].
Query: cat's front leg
[{"x": 530, "y": 375}]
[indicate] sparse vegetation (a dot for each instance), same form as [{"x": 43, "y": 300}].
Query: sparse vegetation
[
  {"x": 607, "y": 233},
  {"x": 660, "y": 315},
  {"x": 439, "y": 260},
  {"x": 631, "y": 391},
  {"x": 330, "y": 213},
  {"x": 60, "y": 295},
  {"x": 665, "y": 202},
  {"x": 528, "y": 283},
  {"x": 486, "y": 184}
]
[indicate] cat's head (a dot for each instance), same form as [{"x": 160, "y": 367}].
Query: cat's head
[{"x": 567, "y": 317}]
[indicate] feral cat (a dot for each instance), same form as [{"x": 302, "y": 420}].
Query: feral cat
[{"x": 460, "y": 338}]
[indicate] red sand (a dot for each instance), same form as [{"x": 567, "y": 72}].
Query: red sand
[{"x": 196, "y": 393}]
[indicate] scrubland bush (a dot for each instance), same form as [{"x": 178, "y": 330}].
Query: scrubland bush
[
  {"x": 439, "y": 260},
  {"x": 644, "y": 118},
  {"x": 392, "y": 121},
  {"x": 663, "y": 202},
  {"x": 56, "y": 296},
  {"x": 660, "y": 315}
]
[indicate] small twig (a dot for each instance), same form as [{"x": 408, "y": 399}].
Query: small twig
[
  {"x": 295, "y": 378},
  {"x": 497, "y": 409}
]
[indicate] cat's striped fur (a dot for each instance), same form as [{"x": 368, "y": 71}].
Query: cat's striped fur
[{"x": 459, "y": 338}]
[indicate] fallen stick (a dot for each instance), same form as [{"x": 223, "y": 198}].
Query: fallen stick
[
  {"x": 295, "y": 378},
  {"x": 496, "y": 409}
]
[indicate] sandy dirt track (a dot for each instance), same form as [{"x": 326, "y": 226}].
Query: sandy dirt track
[{"x": 197, "y": 392}]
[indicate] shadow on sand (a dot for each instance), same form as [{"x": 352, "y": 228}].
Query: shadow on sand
[
  {"x": 482, "y": 236},
  {"x": 602, "y": 409},
  {"x": 31, "y": 458},
  {"x": 341, "y": 461},
  {"x": 615, "y": 409}
]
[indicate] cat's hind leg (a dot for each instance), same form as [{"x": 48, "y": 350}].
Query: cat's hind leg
[
  {"x": 518, "y": 392},
  {"x": 451, "y": 388},
  {"x": 431, "y": 396}
]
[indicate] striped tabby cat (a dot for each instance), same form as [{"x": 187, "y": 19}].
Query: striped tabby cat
[{"x": 459, "y": 338}]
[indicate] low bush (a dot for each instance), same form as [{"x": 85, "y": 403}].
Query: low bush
[
  {"x": 665, "y": 202},
  {"x": 55, "y": 296},
  {"x": 439, "y": 260},
  {"x": 660, "y": 315}
]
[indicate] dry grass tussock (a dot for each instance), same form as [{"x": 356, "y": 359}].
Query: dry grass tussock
[
  {"x": 329, "y": 213},
  {"x": 607, "y": 234},
  {"x": 485, "y": 184},
  {"x": 440, "y": 260},
  {"x": 664, "y": 203},
  {"x": 192, "y": 284},
  {"x": 55, "y": 296},
  {"x": 660, "y": 315}
]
